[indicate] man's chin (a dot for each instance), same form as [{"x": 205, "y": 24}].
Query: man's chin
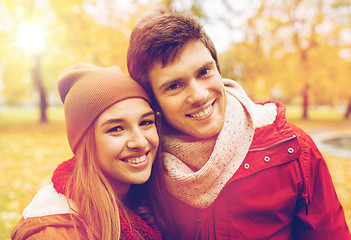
[{"x": 203, "y": 133}]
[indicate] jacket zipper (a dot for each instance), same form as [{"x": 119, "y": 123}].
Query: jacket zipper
[{"x": 274, "y": 144}]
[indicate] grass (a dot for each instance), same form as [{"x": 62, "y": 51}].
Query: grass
[{"x": 30, "y": 152}]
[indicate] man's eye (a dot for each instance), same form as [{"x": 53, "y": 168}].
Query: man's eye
[
  {"x": 203, "y": 72},
  {"x": 172, "y": 87}
]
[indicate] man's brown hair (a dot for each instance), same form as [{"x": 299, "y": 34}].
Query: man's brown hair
[{"x": 160, "y": 37}]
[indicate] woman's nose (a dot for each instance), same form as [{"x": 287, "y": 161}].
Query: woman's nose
[{"x": 137, "y": 140}]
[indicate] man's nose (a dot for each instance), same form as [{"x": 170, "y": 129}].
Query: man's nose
[{"x": 197, "y": 92}]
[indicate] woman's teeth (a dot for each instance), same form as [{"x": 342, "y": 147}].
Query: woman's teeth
[
  {"x": 202, "y": 113},
  {"x": 136, "y": 160}
]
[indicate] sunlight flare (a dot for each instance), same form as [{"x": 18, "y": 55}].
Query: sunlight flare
[{"x": 31, "y": 37}]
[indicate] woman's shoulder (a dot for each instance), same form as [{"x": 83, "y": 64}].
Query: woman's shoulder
[
  {"x": 47, "y": 216},
  {"x": 57, "y": 226},
  {"x": 48, "y": 202}
]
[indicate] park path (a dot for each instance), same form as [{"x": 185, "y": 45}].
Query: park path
[{"x": 333, "y": 139}]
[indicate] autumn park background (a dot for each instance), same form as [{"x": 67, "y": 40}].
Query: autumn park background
[{"x": 294, "y": 51}]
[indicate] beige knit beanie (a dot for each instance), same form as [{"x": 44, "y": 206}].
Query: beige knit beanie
[{"x": 87, "y": 90}]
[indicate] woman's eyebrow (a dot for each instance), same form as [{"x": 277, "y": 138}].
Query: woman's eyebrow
[
  {"x": 149, "y": 114},
  {"x": 113, "y": 120},
  {"x": 118, "y": 120}
]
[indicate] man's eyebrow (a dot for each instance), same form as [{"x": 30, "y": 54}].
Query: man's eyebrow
[
  {"x": 205, "y": 65},
  {"x": 167, "y": 83},
  {"x": 209, "y": 64}
]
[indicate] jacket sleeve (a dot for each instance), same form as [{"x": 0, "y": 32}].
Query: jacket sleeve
[
  {"x": 319, "y": 214},
  {"x": 52, "y": 227}
]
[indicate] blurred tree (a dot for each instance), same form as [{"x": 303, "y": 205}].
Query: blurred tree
[
  {"x": 305, "y": 39},
  {"x": 283, "y": 46},
  {"x": 348, "y": 109},
  {"x": 291, "y": 49},
  {"x": 38, "y": 83},
  {"x": 194, "y": 6},
  {"x": 91, "y": 30},
  {"x": 16, "y": 76},
  {"x": 94, "y": 31},
  {"x": 345, "y": 6}
]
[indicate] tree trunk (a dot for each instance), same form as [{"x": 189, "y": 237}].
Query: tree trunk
[
  {"x": 305, "y": 102},
  {"x": 348, "y": 110},
  {"x": 38, "y": 82}
]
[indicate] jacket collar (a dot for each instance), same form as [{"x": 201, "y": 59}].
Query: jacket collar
[{"x": 273, "y": 133}]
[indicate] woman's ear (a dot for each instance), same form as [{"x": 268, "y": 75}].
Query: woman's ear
[{"x": 159, "y": 114}]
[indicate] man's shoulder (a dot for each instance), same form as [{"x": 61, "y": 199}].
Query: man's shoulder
[{"x": 279, "y": 130}]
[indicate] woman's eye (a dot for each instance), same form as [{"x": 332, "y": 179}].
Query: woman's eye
[
  {"x": 147, "y": 122},
  {"x": 115, "y": 129}
]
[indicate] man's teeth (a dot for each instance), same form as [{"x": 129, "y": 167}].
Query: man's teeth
[
  {"x": 202, "y": 113},
  {"x": 136, "y": 160}
]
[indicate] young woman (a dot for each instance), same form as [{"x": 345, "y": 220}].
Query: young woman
[{"x": 100, "y": 192}]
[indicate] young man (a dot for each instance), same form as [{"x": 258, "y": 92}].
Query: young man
[{"x": 230, "y": 168}]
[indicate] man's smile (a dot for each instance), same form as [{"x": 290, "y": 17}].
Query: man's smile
[{"x": 203, "y": 113}]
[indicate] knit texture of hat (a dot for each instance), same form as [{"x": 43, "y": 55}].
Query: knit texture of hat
[{"x": 87, "y": 90}]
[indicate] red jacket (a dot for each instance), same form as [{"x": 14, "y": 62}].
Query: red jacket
[{"x": 282, "y": 190}]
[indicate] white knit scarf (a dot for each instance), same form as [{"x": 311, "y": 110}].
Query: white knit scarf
[{"x": 196, "y": 171}]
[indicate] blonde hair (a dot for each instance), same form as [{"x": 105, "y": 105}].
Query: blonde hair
[{"x": 96, "y": 202}]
